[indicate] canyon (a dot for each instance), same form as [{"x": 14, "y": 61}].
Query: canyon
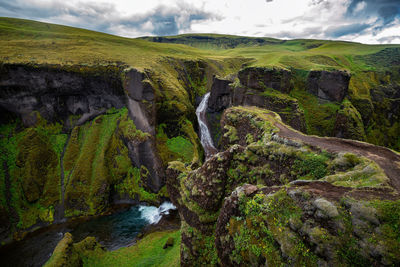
[{"x": 291, "y": 162}]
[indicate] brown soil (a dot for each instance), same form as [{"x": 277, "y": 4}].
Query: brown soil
[{"x": 387, "y": 159}]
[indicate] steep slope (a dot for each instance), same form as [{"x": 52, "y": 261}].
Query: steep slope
[
  {"x": 91, "y": 119},
  {"x": 366, "y": 107},
  {"x": 81, "y": 130},
  {"x": 276, "y": 196}
]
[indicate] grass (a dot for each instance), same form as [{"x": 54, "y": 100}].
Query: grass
[
  {"x": 147, "y": 252},
  {"x": 25, "y": 41},
  {"x": 320, "y": 117}
]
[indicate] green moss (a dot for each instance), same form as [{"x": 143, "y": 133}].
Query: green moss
[
  {"x": 349, "y": 122},
  {"x": 96, "y": 159},
  {"x": 32, "y": 157},
  {"x": 128, "y": 128},
  {"x": 311, "y": 166},
  {"x": 360, "y": 172},
  {"x": 320, "y": 117},
  {"x": 204, "y": 244},
  {"x": 64, "y": 254},
  {"x": 185, "y": 147},
  {"x": 231, "y": 134},
  {"x": 389, "y": 216},
  {"x": 263, "y": 230},
  {"x": 182, "y": 147},
  {"x": 133, "y": 186}
]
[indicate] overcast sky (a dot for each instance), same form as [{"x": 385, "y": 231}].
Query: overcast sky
[{"x": 365, "y": 21}]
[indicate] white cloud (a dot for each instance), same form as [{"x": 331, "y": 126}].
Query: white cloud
[
  {"x": 360, "y": 6},
  {"x": 364, "y": 20}
]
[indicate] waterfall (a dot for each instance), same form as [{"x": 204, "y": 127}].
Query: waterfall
[{"x": 205, "y": 135}]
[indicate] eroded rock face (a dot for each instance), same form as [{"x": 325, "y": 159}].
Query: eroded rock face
[
  {"x": 141, "y": 106},
  {"x": 349, "y": 123},
  {"x": 220, "y": 96},
  {"x": 260, "y": 87},
  {"x": 332, "y": 86},
  {"x": 261, "y": 78},
  {"x": 86, "y": 141},
  {"x": 57, "y": 93}
]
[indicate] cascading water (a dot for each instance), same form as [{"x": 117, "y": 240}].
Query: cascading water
[
  {"x": 153, "y": 214},
  {"x": 205, "y": 136},
  {"x": 112, "y": 231}
]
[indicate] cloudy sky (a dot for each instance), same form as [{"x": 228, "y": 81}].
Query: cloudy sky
[{"x": 366, "y": 21}]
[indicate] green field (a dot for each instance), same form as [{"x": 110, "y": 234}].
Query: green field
[
  {"x": 147, "y": 252},
  {"x": 36, "y": 42}
]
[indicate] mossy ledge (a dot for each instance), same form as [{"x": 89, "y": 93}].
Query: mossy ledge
[{"x": 271, "y": 199}]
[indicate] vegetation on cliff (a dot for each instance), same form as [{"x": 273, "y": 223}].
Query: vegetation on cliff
[
  {"x": 270, "y": 199},
  {"x": 98, "y": 118}
]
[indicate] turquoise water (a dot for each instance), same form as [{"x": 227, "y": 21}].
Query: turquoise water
[{"x": 113, "y": 231}]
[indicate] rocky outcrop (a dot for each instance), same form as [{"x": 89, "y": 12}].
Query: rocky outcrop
[
  {"x": 260, "y": 87},
  {"x": 328, "y": 85},
  {"x": 349, "y": 123},
  {"x": 303, "y": 226},
  {"x": 220, "y": 95},
  {"x": 262, "y": 78},
  {"x": 288, "y": 218},
  {"x": 287, "y": 107},
  {"x": 141, "y": 106},
  {"x": 68, "y": 253},
  {"x": 57, "y": 92}
]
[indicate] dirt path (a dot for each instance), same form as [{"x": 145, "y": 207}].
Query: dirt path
[{"x": 388, "y": 160}]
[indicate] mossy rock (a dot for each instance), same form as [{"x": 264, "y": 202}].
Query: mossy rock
[{"x": 349, "y": 123}]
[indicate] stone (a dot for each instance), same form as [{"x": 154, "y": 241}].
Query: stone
[
  {"x": 325, "y": 208},
  {"x": 250, "y": 189},
  {"x": 363, "y": 212}
]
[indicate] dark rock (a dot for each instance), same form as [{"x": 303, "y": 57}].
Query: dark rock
[
  {"x": 349, "y": 123},
  {"x": 220, "y": 96},
  {"x": 332, "y": 86},
  {"x": 136, "y": 88},
  {"x": 140, "y": 94},
  {"x": 262, "y": 78},
  {"x": 169, "y": 243},
  {"x": 57, "y": 93}
]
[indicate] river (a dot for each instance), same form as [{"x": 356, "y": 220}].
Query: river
[{"x": 112, "y": 231}]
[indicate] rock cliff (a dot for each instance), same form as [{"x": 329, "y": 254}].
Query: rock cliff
[{"x": 270, "y": 198}]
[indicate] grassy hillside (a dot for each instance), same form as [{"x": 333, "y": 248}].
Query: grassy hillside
[
  {"x": 25, "y": 41},
  {"x": 31, "y": 41},
  {"x": 214, "y": 41}
]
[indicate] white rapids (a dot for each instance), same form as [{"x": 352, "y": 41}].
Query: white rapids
[
  {"x": 205, "y": 136},
  {"x": 153, "y": 214}
]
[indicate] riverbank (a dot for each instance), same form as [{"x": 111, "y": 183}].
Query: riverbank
[{"x": 121, "y": 228}]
